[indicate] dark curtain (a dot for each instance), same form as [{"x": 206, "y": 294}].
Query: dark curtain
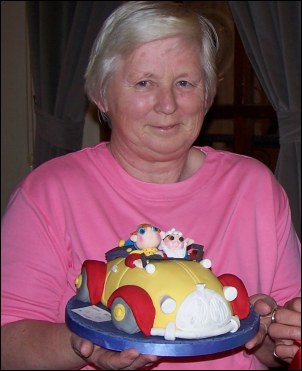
[
  {"x": 271, "y": 35},
  {"x": 61, "y": 34}
]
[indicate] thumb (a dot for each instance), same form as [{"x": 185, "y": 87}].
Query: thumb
[
  {"x": 263, "y": 304},
  {"x": 82, "y": 347}
]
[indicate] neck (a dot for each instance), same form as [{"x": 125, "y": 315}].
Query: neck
[{"x": 158, "y": 170}]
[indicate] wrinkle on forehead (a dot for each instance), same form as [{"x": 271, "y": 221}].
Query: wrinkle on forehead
[
  {"x": 177, "y": 42},
  {"x": 143, "y": 58}
]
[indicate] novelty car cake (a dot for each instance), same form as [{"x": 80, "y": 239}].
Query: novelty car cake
[{"x": 158, "y": 283}]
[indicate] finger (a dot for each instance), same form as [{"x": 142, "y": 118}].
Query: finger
[
  {"x": 280, "y": 331},
  {"x": 265, "y": 306},
  {"x": 118, "y": 360},
  {"x": 139, "y": 359},
  {"x": 294, "y": 304},
  {"x": 144, "y": 361},
  {"x": 285, "y": 352},
  {"x": 284, "y": 342},
  {"x": 287, "y": 317},
  {"x": 260, "y": 336},
  {"x": 129, "y": 359},
  {"x": 82, "y": 347}
]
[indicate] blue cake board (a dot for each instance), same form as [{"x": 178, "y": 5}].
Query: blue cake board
[{"x": 106, "y": 335}]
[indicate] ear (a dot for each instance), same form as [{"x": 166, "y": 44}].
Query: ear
[{"x": 102, "y": 105}]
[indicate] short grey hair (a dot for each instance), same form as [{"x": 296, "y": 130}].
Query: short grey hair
[{"x": 137, "y": 22}]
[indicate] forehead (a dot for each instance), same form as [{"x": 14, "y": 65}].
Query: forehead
[{"x": 181, "y": 49}]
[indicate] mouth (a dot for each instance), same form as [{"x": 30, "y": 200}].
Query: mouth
[{"x": 165, "y": 128}]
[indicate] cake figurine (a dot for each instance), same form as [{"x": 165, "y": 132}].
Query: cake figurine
[
  {"x": 161, "y": 286},
  {"x": 173, "y": 244},
  {"x": 146, "y": 240}
]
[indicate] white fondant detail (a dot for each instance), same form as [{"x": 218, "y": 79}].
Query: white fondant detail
[
  {"x": 138, "y": 263},
  {"x": 150, "y": 268},
  {"x": 206, "y": 263},
  {"x": 202, "y": 308},
  {"x": 167, "y": 305},
  {"x": 181, "y": 253},
  {"x": 230, "y": 292},
  {"x": 203, "y": 313},
  {"x": 236, "y": 323},
  {"x": 114, "y": 268},
  {"x": 170, "y": 331},
  {"x": 231, "y": 326},
  {"x": 200, "y": 286}
]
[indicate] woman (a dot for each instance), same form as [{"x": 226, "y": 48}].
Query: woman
[{"x": 151, "y": 74}]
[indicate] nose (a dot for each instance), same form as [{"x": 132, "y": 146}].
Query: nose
[{"x": 166, "y": 101}]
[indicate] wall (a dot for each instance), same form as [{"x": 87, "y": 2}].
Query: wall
[{"x": 16, "y": 101}]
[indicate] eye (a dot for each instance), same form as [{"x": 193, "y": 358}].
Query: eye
[
  {"x": 184, "y": 83},
  {"x": 154, "y": 229},
  {"x": 141, "y": 230},
  {"x": 171, "y": 238},
  {"x": 181, "y": 239},
  {"x": 143, "y": 84}
]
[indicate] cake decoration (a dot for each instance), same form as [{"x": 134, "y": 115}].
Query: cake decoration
[
  {"x": 174, "y": 245},
  {"x": 158, "y": 283}
]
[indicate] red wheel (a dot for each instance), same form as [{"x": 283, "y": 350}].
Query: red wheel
[
  {"x": 240, "y": 305},
  {"x": 90, "y": 283},
  {"x": 140, "y": 304}
]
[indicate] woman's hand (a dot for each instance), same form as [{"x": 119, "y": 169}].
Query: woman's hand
[
  {"x": 264, "y": 305},
  {"x": 262, "y": 345},
  {"x": 129, "y": 359},
  {"x": 285, "y": 329}
]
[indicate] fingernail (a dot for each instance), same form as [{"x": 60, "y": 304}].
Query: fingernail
[{"x": 78, "y": 352}]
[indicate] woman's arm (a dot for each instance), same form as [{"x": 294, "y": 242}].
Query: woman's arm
[
  {"x": 38, "y": 345},
  {"x": 32, "y": 344}
]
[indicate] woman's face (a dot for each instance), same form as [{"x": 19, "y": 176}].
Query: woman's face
[{"x": 156, "y": 99}]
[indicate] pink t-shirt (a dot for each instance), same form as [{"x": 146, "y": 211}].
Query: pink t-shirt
[{"x": 78, "y": 206}]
